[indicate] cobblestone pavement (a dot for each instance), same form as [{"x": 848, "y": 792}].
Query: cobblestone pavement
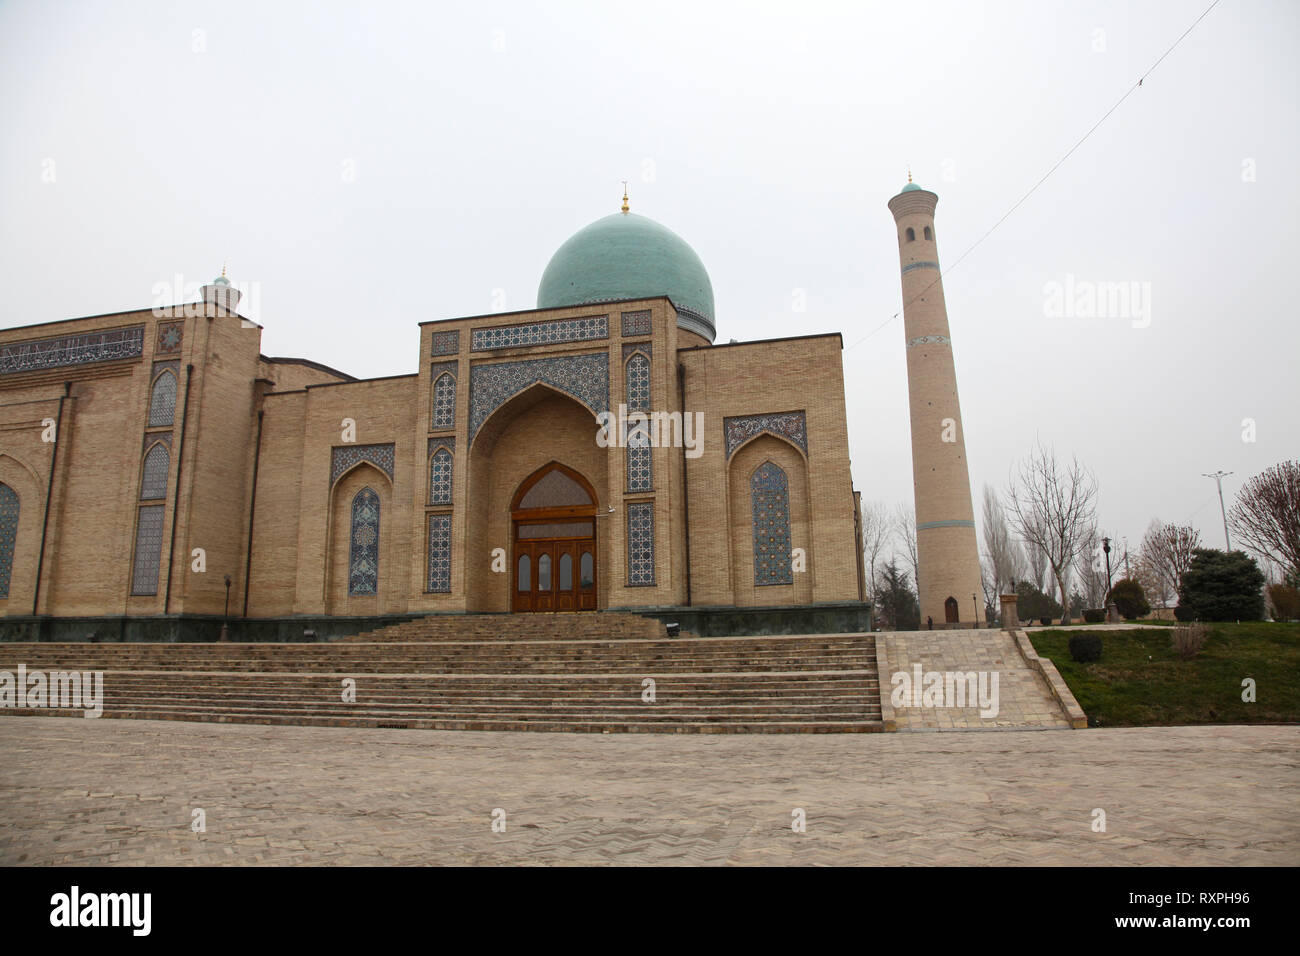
[{"x": 124, "y": 791}]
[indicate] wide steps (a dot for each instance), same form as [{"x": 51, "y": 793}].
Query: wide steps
[{"x": 551, "y": 678}]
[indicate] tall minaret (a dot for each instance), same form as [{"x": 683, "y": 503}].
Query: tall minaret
[{"x": 947, "y": 553}]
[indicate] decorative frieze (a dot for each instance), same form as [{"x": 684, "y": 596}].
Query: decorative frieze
[
  {"x": 447, "y": 342},
  {"x": 929, "y": 340},
  {"x": 343, "y": 457},
  {"x": 110, "y": 346},
  {"x": 541, "y": 333},
  {"x": 792, "y": 426}
]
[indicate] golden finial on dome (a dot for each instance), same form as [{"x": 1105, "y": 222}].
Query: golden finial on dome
[
  {"x": 909, "y": 174},
  {"x": 224, "y": 263},
  {"x": 625, "y": 195}
]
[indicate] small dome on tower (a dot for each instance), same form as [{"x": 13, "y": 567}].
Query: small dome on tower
[{"x": 911, "y": 187}]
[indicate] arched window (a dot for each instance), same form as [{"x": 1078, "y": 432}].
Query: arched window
[
  {"x": 8, "y": 535},
  {"x": 566, "y": 572},
  {"x": 363, "y": 560},
  {"x": 444, "y": 401},
  {"x": 440, "y": 477},
  {"x": 162, "y": 401},
  {"x": 929, "y": 234},
  {"x": 586, "y": 569},
  {"x": 525, "y": 572},
  {"x": 769, "y": 492},
  {"x": 639, "y": 474},
  {"x": 638, "y": 383},
  {"x": 544, "y": 573},
  {"x": 154, "y": 482},
  {"x": 911, "y": 234}
]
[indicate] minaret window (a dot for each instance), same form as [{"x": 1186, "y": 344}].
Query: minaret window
[
  {"x": 911, "y": 234},
  {"x": 929, "y": 234}
]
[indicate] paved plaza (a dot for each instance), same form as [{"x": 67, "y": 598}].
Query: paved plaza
[{"x": 125, "y": 791}]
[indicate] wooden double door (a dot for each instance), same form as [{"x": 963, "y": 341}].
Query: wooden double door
[{"x": 555, "y": 574}]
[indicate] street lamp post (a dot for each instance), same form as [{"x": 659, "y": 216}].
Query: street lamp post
[
  {"x": 975, "y": 604},
  {"x": 225, "y": 623},
  {"x": 1105, "y": 546},
  {"x": 1218, "y": 477}
]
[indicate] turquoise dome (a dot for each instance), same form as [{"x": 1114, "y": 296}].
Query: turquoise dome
[
  {"x": 911, "y": 188},
  {"x": 626, "y": 256}
]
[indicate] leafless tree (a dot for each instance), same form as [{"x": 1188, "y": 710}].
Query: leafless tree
[
  {"x": 1266, "y": 515},
  {"x": 1166, "y": 553},
  {"x": 904, "y": 523},
  {"x": 876, "y": 529},
  {"x": 1052, "y": 506},
  {"x": 1003, "y": 556}
]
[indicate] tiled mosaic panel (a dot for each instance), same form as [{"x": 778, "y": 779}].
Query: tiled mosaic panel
[
  {"x": 641, "y": 544},
  {"x": 9, "y": 508},
  {"x": 585, "y": 377},
  {"x": 769, "y": 490},
  {"x": 444, "y": 401},
  {"x": 541, "y": 333},
  {"x": 638, "y": 384},
  {"x": 440, "y": 554},
  {"x": 162, "y": 400},
  {"x": 153, "y": 484},
  {"x": 555, "y": 489},
  {"x": 169, "y": 338},
  {"x": 629, "y": 348},
  {"x": 446, "y": 343},
  {"x": 640, "y": 476},
  {"x": 148, "y": 550},
  {"x": 344, "y": 457},
  {"x": 440, "y": 478},
  {"x": 636, "y": 323},
  {"x": 363, "y": 561},
  {"x": 789, "y": 425},
  {"x": 441, "y": 441},
  {"x": 72, "y": 350}
]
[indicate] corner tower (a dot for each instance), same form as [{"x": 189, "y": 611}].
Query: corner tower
[{"x": 947, "y": 553}]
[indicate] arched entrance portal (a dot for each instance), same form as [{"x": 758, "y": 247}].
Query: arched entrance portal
[
  {"x": 950, "y": 610},
  {"x": 554, "y": 519}
]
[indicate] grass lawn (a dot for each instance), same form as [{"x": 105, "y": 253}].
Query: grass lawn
[{"x": 1140, "y": 682}]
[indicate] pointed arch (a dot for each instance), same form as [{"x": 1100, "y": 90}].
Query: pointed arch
[
  {"x": 363, "y": 552},
  {"x": 10, "y": 508},
  {"x": 153, "y": 476},
  {"x": 444, "y": 401},
  {"x": 162, "y": 399},
  {"x": 440, "y": 475}
]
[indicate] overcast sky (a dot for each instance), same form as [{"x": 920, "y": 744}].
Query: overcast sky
[{"x": 368, "y": 166}]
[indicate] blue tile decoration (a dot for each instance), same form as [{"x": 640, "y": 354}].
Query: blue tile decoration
[
  {"x": 440, "y": 477},
  {"x": 540, "y": 333},
  {"x": 445, "y": 441},
  {"x": 912, "y": 266},
  {"x": 792, "y": 426},
  {"x": 9, "y": 508},
  {"x": 148, "y": 550},
  {"x": 637, "y": 372},
  {"x": 440, "y": 554},
  {"x": 162, "y": 399},
  {"x": 636, "y": 323},
  {"x": 83, "y": 349},
  {"x": 630, "y": 348},
  {"x": 584, "y": 377},
  {"x": 446, "y": 343},
  {"x": 928, "y": 339},
  {"x": 640, "y": 472},
  {"x": 153, "y": 482},
  {"x": 343, "y": 457},
  {"x": 169, "y": 338},
  {"x": 641, "y": 544},
  {"x": 444, "y": 396},
  {"x": 363, "y": 563},
  {"x": 769, "y": 492}
]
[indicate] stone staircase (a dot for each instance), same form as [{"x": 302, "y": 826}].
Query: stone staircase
[{"x": 563, "y": 672}]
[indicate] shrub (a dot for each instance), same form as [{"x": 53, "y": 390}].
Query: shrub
[
  {"x": 1093, "y": 615},
  {"x": 1222, "y": 586},
  {"x": 1033, "y": 603},
  {"x": 1184, "y": 614},
  {"x": 1188, "y": 639},
  {"x": 1085, "y": 648},
  {"x": 1128, "y": 596},
  {"x": 1286, "y": 601}
]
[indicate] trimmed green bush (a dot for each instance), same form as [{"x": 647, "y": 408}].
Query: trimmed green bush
[
  {"x": 1127, "y": 595},
  {"x": 1093, "y": 615},
  {"x": 1085, "y": 648}
]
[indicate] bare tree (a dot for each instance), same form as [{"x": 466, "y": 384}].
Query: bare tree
[
  {"x": 1166, "y": 553},
  {"x": 904, "y": 522},
  {"x": 1090, "y": 567},
  {"x": 1053, "y": 506},
  {"x": 1266, "y": 515},
  {"x": 1002, "y": 553},
  {"x": 876, "y": 529}
]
